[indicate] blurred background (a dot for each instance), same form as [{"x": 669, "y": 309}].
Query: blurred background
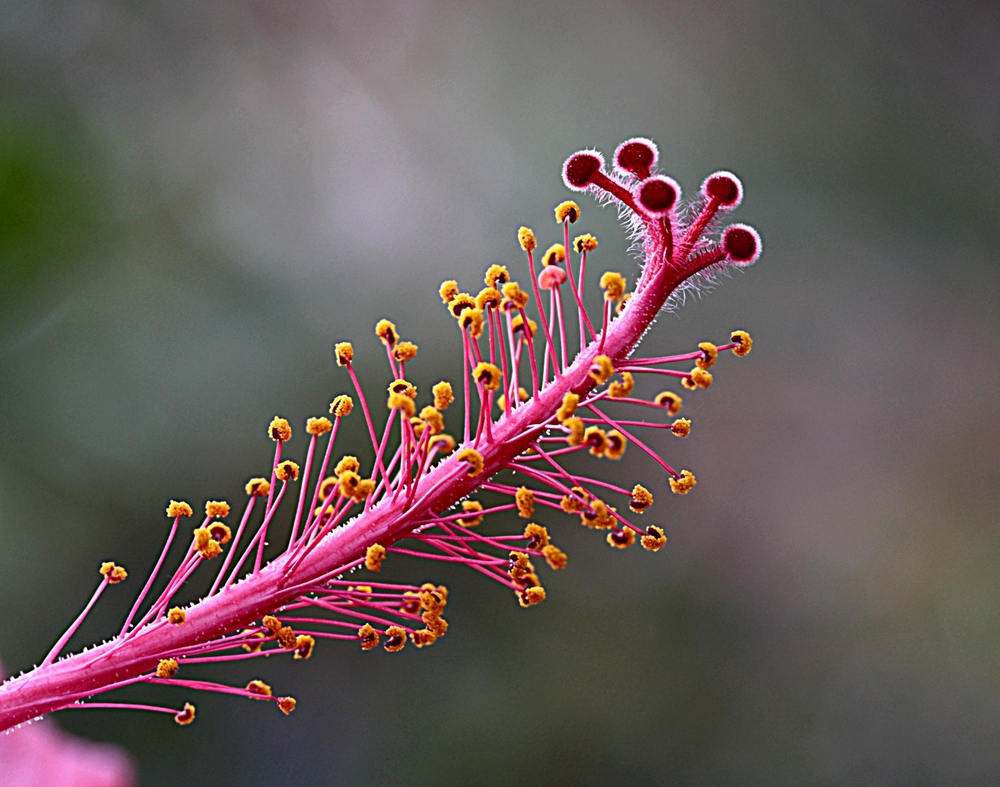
[{"x": 197, "y": 199}]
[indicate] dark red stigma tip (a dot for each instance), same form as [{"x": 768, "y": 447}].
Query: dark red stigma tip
[
  {"x": 725, "y": 188},
  {"x": 658, "y": 194},
  {"x": 580, "y": 168},
  {"x": 636, "y": 156},
  {"x": 742, "y": 244}
]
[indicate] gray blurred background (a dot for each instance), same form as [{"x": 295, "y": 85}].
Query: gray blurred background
[{"x": 197, "y": 199}]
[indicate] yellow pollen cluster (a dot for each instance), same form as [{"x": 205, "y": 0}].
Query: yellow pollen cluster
[
  {"x": 348, "y": 482},
  {"x": 742, "y": 341},
  {"x": 342, "y": 405},
  {"x": 448, "y": 290},
  {"x": 474, "y": 458},
  {"x": 304, "y": 645},
  {"x": 205, "y": 545},
  {"x": 569, "y": 404},
  {"x": 286, "y": 637},
  {"x": 258, "y": 487},
  {"x": 699, "y": 379},
  {"x": 271, "y": 624},
  {"x": 683, "y": 483},
  {"x": 179, "y": 508},
  {"x": 460, "y": 303},
  {"x": 177, "y": 616},
  {"x": 577, "y": 431},
  {"x": 344, "y": 352},
  {"x": 395, "y": 639},
  {"x": 710, "y": 356},
  {"x": 113, "y": 573},
  {"x": 525, "y": 500},
  {"x": 318, "y": 426},
  {"x": 555, "y": 254},
  {"x": 496, "y": 275},
  {"x": 363, "y": 489},
  {"x": 287, "y": 471},
  {"x": 584, "y": 243},
  {"x": 670, "y": 400},
  {"x": 259, "y": 688},
  {"x": 619, "y": 390},
  {"x": 374, "y": 557},
  {"x": 621, "y": 539},
  {"x": 487, "y": 375},
  {"x": 167, "y": 668},
  {"x": 220, "y": 532},
  {"x": 599, "y": 517},
  {"x": 595, "y": 438},
  {"x": 513, "y": 294},
  {"x": 186, "y": 716},
  {"x": 531, "y": 596},
  {"x": 517, "y": 326},
  {"x": 613, "y": 285},
  {"x": 488, "y": 298},
  {"x": 433, "y": 418},
  {"x": 287, "y": 704},
  {"x": 444, "y": 443},
  {"x": 471, "y": 320},
  {"x": 567, "y": 210},
  {"x": 471, "y": 507},
  {"x": 347, "y": 464},
  {"x": 368, "y": 636},
  {"x": 555, "y": 557},
  {"x": 572, "y": 505},
  {"x": 217, "y": 508},
  {"x": 654, "y": 540},
  {"x": 681, "y": 427},
  {"x": 280, "y": 430},
  {"x": 402, "y": 402},
  {"x": 601, "y": 369},
  {"x": 403, "y": 387},
  {"x": 642, "y": 499},
  {"x": 616, "y": 445},
  {"x": 443, "y": 395},
  {"x": 621, "y": 305},
  {"x": 404, "y": 352},
  {"x": 527, "y": 239},
  {"x": 537, "y": 535},
  {"x": 386, "y": 331}
]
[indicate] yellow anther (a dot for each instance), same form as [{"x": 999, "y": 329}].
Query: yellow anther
[
  {"x": 368, "y": 636},
  {"x": 487, "y": 375},
  {"x": 348, "y": 483},
  {"x": 443, "y": 395},
  {"x": 167, "y": 668},
  {"x": 287, "y": 471},
  {"x": 596, "y": 439},
  {"x": 471, "y": 507},
  {"x": 326, "y": 488},
  {"x": 403, "y": 387},
  {"x": 271, "y": 624},
  {"x": 258, "y": 487},
  {"x": 601, "y": 369},
  {"x": 259, "y": 688},
  {"x": 520, "y": 565},
  {"x": 641, "y": 500},
  {"x": 710, "y": 356},
  {"x": 683, "y": 483},
  {"x": 347, "y": 463},
  {"x": 621, "y": 305},
  {"x": 444, "y": 443},
  {"x": 621, "y": 539},
  {"x": 525, "y": 500},
  {"x": 374, "y": 557},
  {"x": 554, "y": 254},
  {"x": 206, "y": 546},
  {"x": 363, "y": 490},
  {"x": 344, "y": 352},
  {"x": 568, "y": 407},
  {"x": 287, "y": 704},
  {"x": 220, "y": 532},
  {"x": 496, "y": 276},
  {"x": 471, "y": 320},
  {"x": 318, "y": 426},
  {"x": 280, "y": 430},
  {"x": 474, "y": 459},
  {"x": 613, "y": 285},
  {"x": 436, "y": 624},
  {"x": 386, "y": 331},
  {"x": 253, "y": 647},
  {"x": 422, "y": 637},
  {"x": 177, "y": 616},
  {"x": 286, "y": 637},
  {"x": 114, "y": 573},
  {"x": 577, "y": 430},
  {"x": 460, "y": 303},
  {"x": 700, "y": 378},
  {"x": 404, "y": 352},
  {"x": 531, "y": 596},
  {"x": 619, "y": 390},
  {"x": 433, "y": 598},
  {"x": 179, "y": 508},
  {"x": 681, "y": 427},
  {"x": 449, "y": 289},
  {"x": 654, "y": 540},
  {"x": 217, "y": 508},
  {"x": 342, "y": 405},
  {"x": 517, "y": 325},
  {"x": 527, "y": 239},
  {"x": 584, "y": 243},
  {"x": 555, "y": 557},
  {"x": 185, "y": 716},
  {"x": 395, "y": 638},
  {"x": 513, "y": 294},
  {"x": 571, "y": 505},
  {"x": 403, "y": 403},
  {"x": 304, "y": 645},
  {"x": 616, "y": 445},
  {"x": 488, "y": 298},
  {"x": 742, "y": 341},
  {"x": 567, "y": 210},
  {"x": 537, "y": 535},
  {"x": 670, "y": 400},
  {"x": 433, "y": 418}
]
